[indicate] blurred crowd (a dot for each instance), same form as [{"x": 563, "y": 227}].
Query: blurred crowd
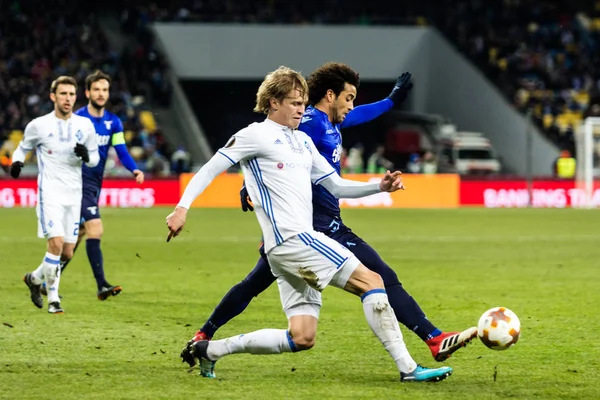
[
  {"x": 545, "y": 56},
  {"x": 40, "y": 41}
]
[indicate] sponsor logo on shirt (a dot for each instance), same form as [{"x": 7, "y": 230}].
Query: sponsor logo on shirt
[
  {"x": 102, "y": 140},
  {"x": 293, "y": 165}
]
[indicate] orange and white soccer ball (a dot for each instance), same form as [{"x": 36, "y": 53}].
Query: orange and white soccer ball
[{"x": 499, "y": 328}]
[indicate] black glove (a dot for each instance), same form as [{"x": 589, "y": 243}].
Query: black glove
[
  {"x": 15, "y": 169},
  {"x": 82, "y": 152},
  {"x": 245, "y": 200},
  {"x": 401, "y": 89}
]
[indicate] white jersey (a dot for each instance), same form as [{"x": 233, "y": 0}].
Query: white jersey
[
  {"x": 54, "y": 139},
  {"x": 278, "y": 164}
]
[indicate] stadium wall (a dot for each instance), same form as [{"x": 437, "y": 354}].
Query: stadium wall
[{"x": 446, "y": 83}]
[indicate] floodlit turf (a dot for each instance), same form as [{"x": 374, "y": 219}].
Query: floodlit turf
[{"x": 543, "y": 264}]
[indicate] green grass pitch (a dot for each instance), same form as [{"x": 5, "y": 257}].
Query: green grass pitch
[{"x": 542, "y": 264}]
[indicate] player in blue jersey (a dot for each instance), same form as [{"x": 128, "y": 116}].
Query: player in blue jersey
[
  {"x": 109, "y": 132},
  {"x": 332, "y": 90}
]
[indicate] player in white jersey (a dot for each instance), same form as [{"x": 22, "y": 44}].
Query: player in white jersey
[
  {"x": 279, "y": 164},
  {"x": 63, "y": 141}
]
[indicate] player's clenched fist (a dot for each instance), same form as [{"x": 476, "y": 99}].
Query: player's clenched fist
[
  {"x": 82, "y": 152},
  {"x": 176, "y": 221},
  {"x": 391, "y": 182},
  {"x": 15, "y": 169}
]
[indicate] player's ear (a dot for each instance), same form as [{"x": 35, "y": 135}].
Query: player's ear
[
  {"x": 330, "y": 95},
  {"x": 87, "y": 94},
  {"x": 274, "y": 103},
  {"x": 53, "y": 97}
]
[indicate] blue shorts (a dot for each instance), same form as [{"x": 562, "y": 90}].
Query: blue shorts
[{"x": 89, "y": 204}]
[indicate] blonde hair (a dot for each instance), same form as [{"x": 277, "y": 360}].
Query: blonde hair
[
  {"x": 62, "y": 80},
  {"x": 277, "y": 85}
]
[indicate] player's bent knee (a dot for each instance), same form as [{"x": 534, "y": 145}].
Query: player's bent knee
[
  {"x": 303, "y": 340},
  {"x": 374, "y": 280},
  {"x": 303, "y": 331},
  {"x": 94, "y": 229},
  {"x": 362, "y": 280}
]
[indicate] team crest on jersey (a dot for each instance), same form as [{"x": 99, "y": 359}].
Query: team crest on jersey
[
  {"x": 79, "y": 134},
  {"x": 280, "y": 165},
  {"x": 108, "y": 124}
]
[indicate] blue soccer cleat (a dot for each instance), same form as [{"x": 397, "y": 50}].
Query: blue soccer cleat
[{"x": 423, "y": 374}]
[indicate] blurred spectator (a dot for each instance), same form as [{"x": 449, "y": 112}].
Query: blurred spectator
[
  {"x": 414, "y": 164},
  {"x": 180, "y": 161},
  {"x": 354, "y": 162},
  {"x": 377, "y": 163},
  {"x": 565, "y": 166},
  {"x": 429, "y": 164}
]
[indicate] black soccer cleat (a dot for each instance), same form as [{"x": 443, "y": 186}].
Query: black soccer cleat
[
  {"x": 107, "y": 291},
  {"x": 34, "y": 290},
  {"x": 186, "y": 354}
]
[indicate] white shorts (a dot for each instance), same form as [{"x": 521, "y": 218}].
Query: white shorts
[
  {"x": 57, "y": 220},
  {"x": 306, "y": 264}
]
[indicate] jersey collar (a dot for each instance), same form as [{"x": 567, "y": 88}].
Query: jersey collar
[{"x": 283, "y": 127}]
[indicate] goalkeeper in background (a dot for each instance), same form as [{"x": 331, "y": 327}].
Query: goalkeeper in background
[{"x": 109, "y": 132}]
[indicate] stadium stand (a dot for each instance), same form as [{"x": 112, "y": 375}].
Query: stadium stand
[
  {"x": 543, "y": 55},
  {"x": 40, "y": 41}
]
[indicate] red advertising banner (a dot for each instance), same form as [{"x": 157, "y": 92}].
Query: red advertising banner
[
  {"x": 514, "y": 193},
  {"x": 115, "y": 193}
]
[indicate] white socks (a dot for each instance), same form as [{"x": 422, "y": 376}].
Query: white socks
[
  {"x": 264, "y": 341},
  {"x": 383, "y": 322},
  {"x": 50, "y": 270}
]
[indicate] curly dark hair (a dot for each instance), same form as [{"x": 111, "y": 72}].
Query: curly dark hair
[{"x": 331, "y": 75}]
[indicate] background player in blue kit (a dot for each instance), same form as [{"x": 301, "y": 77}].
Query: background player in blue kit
[
  {"x": 109, "y": 132},
  {"x": 332, "y": 90}
]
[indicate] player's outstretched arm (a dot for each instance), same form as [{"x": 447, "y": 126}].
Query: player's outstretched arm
[
  {"x": 348, "y": 189},
  {"x": 369, "y": 112},
  {"x": 322, "y": 173}
]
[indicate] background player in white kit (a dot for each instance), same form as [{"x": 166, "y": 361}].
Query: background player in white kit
[
  {"x": 279, "y": 163},
  {"x": 62, "y": 142}
]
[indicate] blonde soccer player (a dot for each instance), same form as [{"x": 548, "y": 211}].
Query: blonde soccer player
[
  {"x": 63, "y": 142},
  {"x": 280, "y": 163}
]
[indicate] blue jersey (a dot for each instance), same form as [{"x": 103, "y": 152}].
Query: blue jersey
[
  {"x": 109, "y": 132},
  {"x": 328, "y": 140}
]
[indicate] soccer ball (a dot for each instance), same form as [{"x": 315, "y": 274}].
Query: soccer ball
[{"x": 499, "y": 328}]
